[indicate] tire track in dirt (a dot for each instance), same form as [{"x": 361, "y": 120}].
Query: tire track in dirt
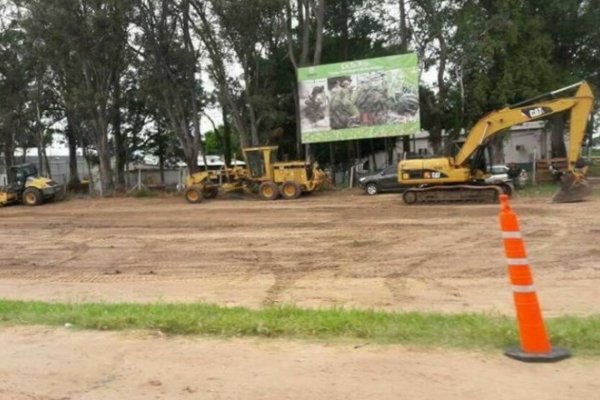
[{"x": 276, "y": 252}]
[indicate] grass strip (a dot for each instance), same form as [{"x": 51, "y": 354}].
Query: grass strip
[{"x": 464, "y": 331}]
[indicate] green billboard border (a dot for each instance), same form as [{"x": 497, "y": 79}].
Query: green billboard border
[
  {"x": 377, "y": 131},
  {"x": 407, "y": 62}
]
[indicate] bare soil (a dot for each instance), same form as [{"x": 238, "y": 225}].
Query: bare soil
[
  {"x": 53, "y": 364},
  {"x": 336, "y": 248}
]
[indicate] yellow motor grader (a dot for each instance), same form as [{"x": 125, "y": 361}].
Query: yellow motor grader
[
  {"x": 262, "y": 173},
  {"x": 26, "y": 186}
]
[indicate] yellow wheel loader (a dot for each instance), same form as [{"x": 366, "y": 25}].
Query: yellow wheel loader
[
  {"x": 463, "y": 178},
  {"x": 26, "y": 186},
  {"x": 262, "y": 172}
]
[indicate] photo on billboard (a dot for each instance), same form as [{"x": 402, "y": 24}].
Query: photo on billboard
[{"x": 371, "y": 98}]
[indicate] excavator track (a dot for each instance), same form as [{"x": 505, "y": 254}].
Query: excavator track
[{"x": 455, "y": 194}]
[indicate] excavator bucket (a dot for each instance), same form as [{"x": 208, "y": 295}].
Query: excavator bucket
[{"x": 573, "y": 188}]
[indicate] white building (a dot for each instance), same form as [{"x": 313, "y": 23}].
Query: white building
[
  {"x": 526, "y": 142},
  {"x": 520, "y": 144}
]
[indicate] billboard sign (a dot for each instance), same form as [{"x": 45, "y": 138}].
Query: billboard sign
[{"x": 372, "y": 98}]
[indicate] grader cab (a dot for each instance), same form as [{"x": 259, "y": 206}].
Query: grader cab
[{"x": 262, "y": 173}]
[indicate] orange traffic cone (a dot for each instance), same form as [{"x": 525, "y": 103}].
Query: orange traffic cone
[{"x": 535, "y": 345}]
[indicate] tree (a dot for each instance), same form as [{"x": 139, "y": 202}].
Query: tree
[
  {"x": 168, "y": 63},
  {"x": 84, "y": 43},
  {"x": 12, "y": 84},
  {"x": 572, "y": 28},
  {"x": 310, "y": 16},
  {"x": 248, "y": 36},
  {"x": 434, "y": 23},
  {"x": 17, "y": 83}
]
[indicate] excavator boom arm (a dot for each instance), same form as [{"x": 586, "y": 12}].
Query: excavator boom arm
[{"x": 497, "y": 122}]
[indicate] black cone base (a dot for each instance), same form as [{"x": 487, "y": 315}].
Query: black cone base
[{"x": 556, "y": 354}]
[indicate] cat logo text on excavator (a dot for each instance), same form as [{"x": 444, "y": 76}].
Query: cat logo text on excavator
[{"x": 536, "y": 112}]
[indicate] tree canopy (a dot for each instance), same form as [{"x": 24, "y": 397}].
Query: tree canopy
[{"x": 123, "y": 77}]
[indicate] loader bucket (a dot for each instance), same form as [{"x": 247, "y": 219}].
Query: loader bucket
[{"x": 572, "y": 189}]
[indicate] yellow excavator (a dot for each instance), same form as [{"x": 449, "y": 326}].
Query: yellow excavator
[
  {"x": 462, "y": 178},
  {"x": 262, "y": 173},
  {"x": 26, "y": 186}
]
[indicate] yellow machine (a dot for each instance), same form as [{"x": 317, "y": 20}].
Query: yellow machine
[
  {"x": 462, "y": 178},
  {"x": 262, "y": 172},
  {"x": 26, "y": 186}
]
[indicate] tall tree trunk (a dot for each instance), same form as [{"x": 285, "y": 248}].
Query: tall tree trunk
[
  {"x": 72, "y": 143},
  {"x": 161, "y": 161},
  {"x": 190, "y": 153},
  {"x": 319, "y": 16},
  {"x": 196, "y": 139},
  {"x": 9, "y": 152},
  {"x": 88, "y": 162},
  {"x": 298, "y": 126},
  {"x": 226, "y": 137},
  {"x": 403, "y": 27},
  {"x": 120, "y": 142},
  {"x": 46, "y": 162},
  {"x": 40, "y": 159},
  {"x": 253, "y": 128},
  {"x": 106, "y": 172},
  {"x": 304, "y": 18}
]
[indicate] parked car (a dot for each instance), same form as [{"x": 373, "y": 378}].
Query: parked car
[
  {"x": 499, "y": 173},
  {"x": 382, "y": 181}
]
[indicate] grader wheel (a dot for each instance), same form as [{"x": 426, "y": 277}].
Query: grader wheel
[
  {"x": 268, "y": 191},
  {"x": 290, "y": 190},
  {"x": 193, "y": 195}
]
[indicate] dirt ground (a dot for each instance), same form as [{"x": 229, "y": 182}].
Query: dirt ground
[
  {"x": 56, "y": 364},
  {"x": 330, "y": 248}
]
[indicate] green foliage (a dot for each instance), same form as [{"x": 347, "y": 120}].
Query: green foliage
[
  {"x": 16, "y": 77},
  {"x": 71, "y": 58},
  {"x": 466, "y": 331},
  {"x": 214, "y": 143},
  {"x": 509, "y": 61}
]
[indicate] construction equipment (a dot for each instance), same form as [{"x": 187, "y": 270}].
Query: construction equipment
[
  {"x": 462, "y": 178},
  {"x": 262, "y": 172},
  {"x": 26, "y": 186}
]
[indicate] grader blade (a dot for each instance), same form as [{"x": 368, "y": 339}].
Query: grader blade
[{"x": 572, "y": 189}]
